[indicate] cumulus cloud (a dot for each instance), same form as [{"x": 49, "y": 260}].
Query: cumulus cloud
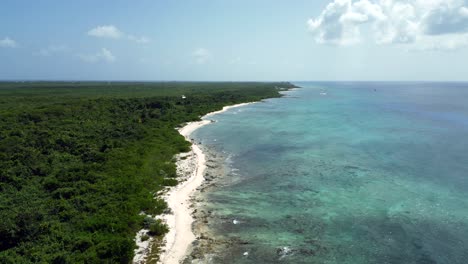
[
  {"x": 8, "y": 43},
  {"x": 399, "y": 24},
  {"x": 108, "y": 31},
  {"x": 464, "y": 11},
  {"x": 202, "y": 56},
  {"x": 392, "y": 22},
  {"x": 103, "y": 55},
  {"x": 340, "y": 22},
  {"x": 141, "y": 40},
  {"x": 446, "y": 19},
  {"x": 111, "y": 31}
]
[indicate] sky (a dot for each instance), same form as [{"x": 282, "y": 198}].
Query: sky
[{"x": 242, "y": 40}]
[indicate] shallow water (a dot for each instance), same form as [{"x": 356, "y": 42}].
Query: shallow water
[{"x": 345, "y": 173}]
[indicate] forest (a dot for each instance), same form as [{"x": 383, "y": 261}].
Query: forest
[{"x": 80, "y": 160}]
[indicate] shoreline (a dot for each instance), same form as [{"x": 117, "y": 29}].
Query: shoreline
[
  {"x": 180, "y": 236},
  {"x": 177, "y": 242}
]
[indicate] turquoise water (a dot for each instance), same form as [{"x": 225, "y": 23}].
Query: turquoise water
[{"x": 345, "y": 173}]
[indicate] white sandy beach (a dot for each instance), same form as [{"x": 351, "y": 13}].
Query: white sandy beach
[{"x": 180, "y": 236}]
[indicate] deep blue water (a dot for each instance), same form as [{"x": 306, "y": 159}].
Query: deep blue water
[{"x": 345, "y": 173}]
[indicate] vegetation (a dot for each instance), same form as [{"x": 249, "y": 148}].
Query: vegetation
[{"x": 80, "y": 161}]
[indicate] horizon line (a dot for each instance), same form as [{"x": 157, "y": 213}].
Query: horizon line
[{"x": 218, "y": 81}]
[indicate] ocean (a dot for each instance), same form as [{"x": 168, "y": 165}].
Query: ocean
[{"x": 345, "y": 172}]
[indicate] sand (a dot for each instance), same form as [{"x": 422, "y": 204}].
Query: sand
[
  {"x": 191, "y": 173},
  {"x": 180, "y": 234}
]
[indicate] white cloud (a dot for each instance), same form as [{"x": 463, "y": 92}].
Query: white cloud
[
  {"x": 8, "y": 43},
  {"x": 416, "y": 22},
  {"x": 446, "y": 18},
  {"x": 103, "y": 55},
  {"x": 399, "y": 25},
  {"x": 464, "y": 11},
  {"x": 202, "y": 56},
  {"x": 107, "y": 55},
  {"x": 340, "y": 22},
  {"x": 108, "y": 31},
  {"x": 111, "y": 31},
  {"x": 50, "y": 50},
  {"x": 140, "y": 40}
]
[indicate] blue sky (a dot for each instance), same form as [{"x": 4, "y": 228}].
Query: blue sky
[{"x": 234, "y": 40}]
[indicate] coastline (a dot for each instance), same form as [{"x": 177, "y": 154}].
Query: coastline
[
  {"x": 180, "y": 235},
  {"x": 191, "y": 167}
]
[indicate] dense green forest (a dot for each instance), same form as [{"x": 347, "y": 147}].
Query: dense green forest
[{"x": 80, "y": 160}]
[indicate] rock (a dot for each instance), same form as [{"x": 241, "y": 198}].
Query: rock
[{"x": 284, "y": 251}]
